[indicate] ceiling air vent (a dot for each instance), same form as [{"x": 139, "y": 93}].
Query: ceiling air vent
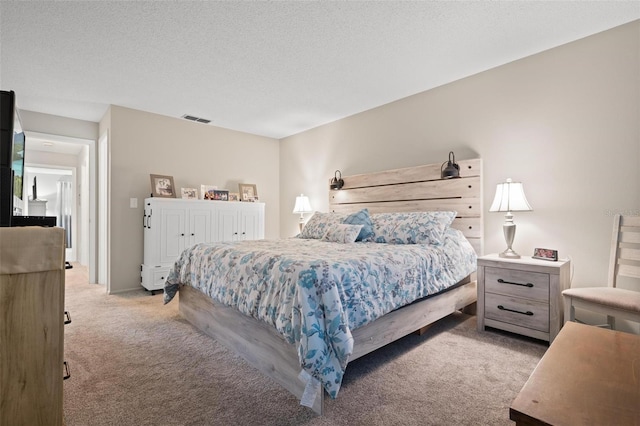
[{"x": 197, "y": 119}]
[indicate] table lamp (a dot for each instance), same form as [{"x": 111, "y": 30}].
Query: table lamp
[
  {"x": 509, "y": 198},
  {"x": 302, "y": 206}
]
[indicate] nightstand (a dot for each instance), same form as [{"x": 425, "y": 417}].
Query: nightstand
[{"x": 522, "y": 296}]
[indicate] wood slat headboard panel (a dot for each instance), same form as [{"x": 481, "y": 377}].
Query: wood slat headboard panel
[
  {"x": 468, "y": 168},
  {"x": 418, "y": 189}
]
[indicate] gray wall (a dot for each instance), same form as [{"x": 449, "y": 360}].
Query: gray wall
[
  {"x": 142, "y": 143},
  {"x": 564, "y": 122}
]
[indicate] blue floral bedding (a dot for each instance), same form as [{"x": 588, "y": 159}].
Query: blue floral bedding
[{"x": 315, "y": 292}]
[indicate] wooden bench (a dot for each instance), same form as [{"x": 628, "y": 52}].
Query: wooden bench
[{"x": 588, "y": 376}]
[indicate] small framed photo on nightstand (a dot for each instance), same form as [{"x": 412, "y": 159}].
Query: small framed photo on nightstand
[{"x": 545, "y": 254}]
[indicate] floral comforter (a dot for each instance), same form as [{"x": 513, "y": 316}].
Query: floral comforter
[{"x": 315, "y": 292}]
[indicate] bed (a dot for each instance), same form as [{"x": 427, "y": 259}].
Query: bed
[{"x": 299, "y": 309}]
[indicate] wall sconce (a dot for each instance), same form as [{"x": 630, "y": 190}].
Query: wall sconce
[
  {"x": 510, "y": 198},
  {"x": 337, "y": 182},
  {"x": 452, "y": 170},
  {"x": 302, "y": 206}
]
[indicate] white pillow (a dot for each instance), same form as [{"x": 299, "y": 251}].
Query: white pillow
[
  {"x": 319, "y": 223},
  {"x": 342, "y": 233}
]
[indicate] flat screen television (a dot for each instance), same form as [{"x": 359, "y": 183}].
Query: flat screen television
[{"x": 12, "y": 144}]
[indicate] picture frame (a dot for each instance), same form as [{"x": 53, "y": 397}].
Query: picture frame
[
  {"x": 234, "y": 196},
  {"x": 545, "y": 254},
  {"x": 248, "y": 192},
  {"x": 162, "y": 186},
  {"x": 206, "y": 192},
  {"x": 189, "y": 193},
  {"x": 220, "y": 195}
]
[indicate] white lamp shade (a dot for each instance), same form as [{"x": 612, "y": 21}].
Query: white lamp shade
[
  {"x": 510, "y": 198},
  {"x": 302, "y": 205}
]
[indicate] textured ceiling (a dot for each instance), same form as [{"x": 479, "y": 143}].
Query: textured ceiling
[{"x": 269, "y": 68}]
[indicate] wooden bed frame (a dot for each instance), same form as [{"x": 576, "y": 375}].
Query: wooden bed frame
[{"x": 410, "y": 189}]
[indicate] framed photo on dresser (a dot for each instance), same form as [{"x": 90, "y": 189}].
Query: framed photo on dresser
[
  {"x": 206, "y": 191},
  {"x": 162, "y": 186},
  {"x": 189, "y": 193},
  {"x": 248, "y": 192},
  {"x": 221, "y": 195}
]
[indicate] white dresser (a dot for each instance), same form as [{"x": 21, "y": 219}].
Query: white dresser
[{"x": 172, "y": 225}]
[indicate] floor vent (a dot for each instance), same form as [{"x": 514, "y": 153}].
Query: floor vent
[{"x": 197, "y": 119}]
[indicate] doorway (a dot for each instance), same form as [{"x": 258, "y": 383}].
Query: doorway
[
  {"x": 51, "y": 191},
  {"x": 56, "y": 153}
]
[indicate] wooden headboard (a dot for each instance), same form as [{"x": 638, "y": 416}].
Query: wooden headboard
[{"x": 418, "y": 188}]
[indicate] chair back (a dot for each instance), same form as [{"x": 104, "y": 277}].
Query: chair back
[{"x": 625, "y": 248}]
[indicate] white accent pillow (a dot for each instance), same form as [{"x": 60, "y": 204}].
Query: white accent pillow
[
  {"x": 319, "y": 223},
  {"x": 342, "y": 233}
]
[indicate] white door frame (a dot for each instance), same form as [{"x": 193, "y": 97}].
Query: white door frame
[{"x": 104, "y": 258}]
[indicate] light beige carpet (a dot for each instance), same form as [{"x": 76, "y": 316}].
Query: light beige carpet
[{"x": 134, "y": 361}]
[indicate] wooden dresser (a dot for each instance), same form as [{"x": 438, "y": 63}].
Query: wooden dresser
[{"x": 32, "y": 274}]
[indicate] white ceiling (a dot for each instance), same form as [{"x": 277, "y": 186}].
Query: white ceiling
[{"x": 269, "y": 68}]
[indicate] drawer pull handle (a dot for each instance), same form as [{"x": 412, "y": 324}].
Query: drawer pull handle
[
  {"x": 501, "y": 281},
  {"x": 502, "y": 308},
  {"x": 67, "y": 373}
]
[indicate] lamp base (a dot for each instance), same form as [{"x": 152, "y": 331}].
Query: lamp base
[
  {"x": 509, "y": 229},
  {"x": 509, "y": 254}
]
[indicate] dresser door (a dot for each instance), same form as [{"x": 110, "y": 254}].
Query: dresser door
[
  {"x": 172, "y": 234},
  {"x": 228, "y": 223},
  {"x": 199, "y": 226},
  {"x": 250, "y": 223}
]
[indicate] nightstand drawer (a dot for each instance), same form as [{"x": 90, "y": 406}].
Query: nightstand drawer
[
  {"x": 514, "y": 310},
  {"x": 512, "y": 282}
]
